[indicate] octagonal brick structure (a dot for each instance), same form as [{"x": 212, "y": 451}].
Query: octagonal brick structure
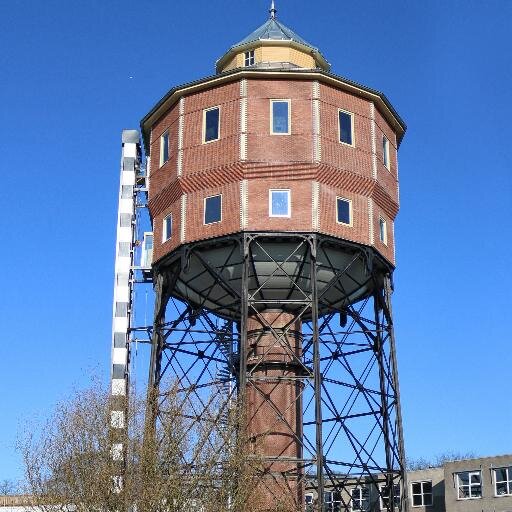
[
  {"x": 290, "y": 279},
  {"x": 247, "y": 160}
]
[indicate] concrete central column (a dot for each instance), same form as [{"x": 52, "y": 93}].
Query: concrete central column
[{"x": 274, "y": 404}]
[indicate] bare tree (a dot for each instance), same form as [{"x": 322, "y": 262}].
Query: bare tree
[
  {"x": 168, "y": 467},
  {"x": 438, "y": 460},
  {"x": 8, "y": 488}
]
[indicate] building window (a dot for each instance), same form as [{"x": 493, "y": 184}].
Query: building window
[
  {"x": 279, "y": 203},
  {"x": 167, "y": 228},
  {"x": 249, "y": 58},
  {"x": 211, "y": 124},
  {"x": 421, "y": 494},
  {"x": 308, "y": 499},
  {"x": 383, "y": 231},
  {"x": 385, "y": 151},
  {"x": 280, "y": 117},
  {"x": 343, "y": 211},
  {"x": 503, "y": 481},
  {"x": 384, "y": 496},
  {"x": 360, "y": 498},
  {"x": 164, "y": 148},
  {"x": 332, "y": 501},
  {"x": 212, "y": 209},
  {"x": 469, "y": 485},
  {"x": 346, "y": 127}
]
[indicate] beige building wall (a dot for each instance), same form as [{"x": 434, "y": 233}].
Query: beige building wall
[{"x": 267, "y": 53}]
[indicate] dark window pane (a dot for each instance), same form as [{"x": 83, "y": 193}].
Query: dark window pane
[
  {"x": 382, "y": 235},
  {"x": 167, "y": 227},
  {"x": 211, "y": 124},
  {"x": 501, "y": 474},
  {"x": 345, "y": 128},
  {"x": 416, "y": 488},
  {"x": 476, "y": 491},
  {"x": 464, "y": 478},
  {"x": 344, "y": 211},
  {"x": 427, "y": 499},
  {"x": 427, "y": 487},
  {"x": 280, "y": 117},
  {"x": 501, "y": 488},
  {"x": 212, "y": 209},
  {"x": 416, "y": 499},
  {"x": 165, "y": 147},
  {"x": 475, "y": 478},
  {"x": 249, "y": 58}
]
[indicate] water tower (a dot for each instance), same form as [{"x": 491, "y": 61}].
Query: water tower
[{"x": 272, "y": 188}]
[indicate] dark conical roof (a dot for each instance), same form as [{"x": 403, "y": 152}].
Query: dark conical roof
[
  {"x": 274, "y": 33},
  {"x": 273, "y": 30}
]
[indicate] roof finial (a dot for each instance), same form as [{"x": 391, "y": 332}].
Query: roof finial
[{"x": 272, "y": 10}]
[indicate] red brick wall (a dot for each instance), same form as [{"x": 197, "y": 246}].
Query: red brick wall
[
  {"x": 274, "y": 161},
  {"x": 356, "y": 158},
  {"x": 385, "y": 249},
  {"x": 264, "y": 147},
  {"x": 162, "y": 248},
  {"x": 359, "y": 231},
  {"x": 164, "y": 175},
  {"x": 230, "y": 223},
  {"x": 198, "y": 156},
  {"x": 386, "y": 177},
  {"x": 258, "y": 201}
]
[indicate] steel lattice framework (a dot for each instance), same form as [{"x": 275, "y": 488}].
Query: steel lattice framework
[{"x": 342, "y": 363}]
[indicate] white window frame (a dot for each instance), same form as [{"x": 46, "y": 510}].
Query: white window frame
[
  {"x": 162, "y": 140},
  {"x": 165, "y": 221},
  {"x": 458, "y": 484},
  {"x": 383, "y": 230},
  {"x": 352, "y": 131},
  {"x": 204, "y": 141},
  {"x": 359, "y": 499},
  {"x": 381, "y": 501},
  {"x": 310, "y": 504},
  {"x": 283, "y": 216},
  {"x": 422, "y": 494},
  {"x": 249, "y": 58},
  {"x": 146, "y": 257},
  {"x": 350, "y": 218},
  {"x": 284, "y": 100},
  {"x": 330, "y": 501},
  {"x": 385, "y": 152},
  {"x": 204, "y": 210},
  {"x": 508, "y": 469}
]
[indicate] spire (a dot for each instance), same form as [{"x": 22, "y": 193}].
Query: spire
[{"x": 272, "y": 10}]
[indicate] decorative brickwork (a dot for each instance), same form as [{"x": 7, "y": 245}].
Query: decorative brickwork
[{"x": 247, "y": 161}]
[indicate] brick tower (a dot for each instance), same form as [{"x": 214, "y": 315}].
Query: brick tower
[{"x": 273, "y": 190}]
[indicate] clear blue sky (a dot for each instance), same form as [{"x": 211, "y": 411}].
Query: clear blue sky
[{"x": 74, "y": 74}]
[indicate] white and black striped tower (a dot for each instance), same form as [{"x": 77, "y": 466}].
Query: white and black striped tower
[{"x": 123, "y": 298}]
